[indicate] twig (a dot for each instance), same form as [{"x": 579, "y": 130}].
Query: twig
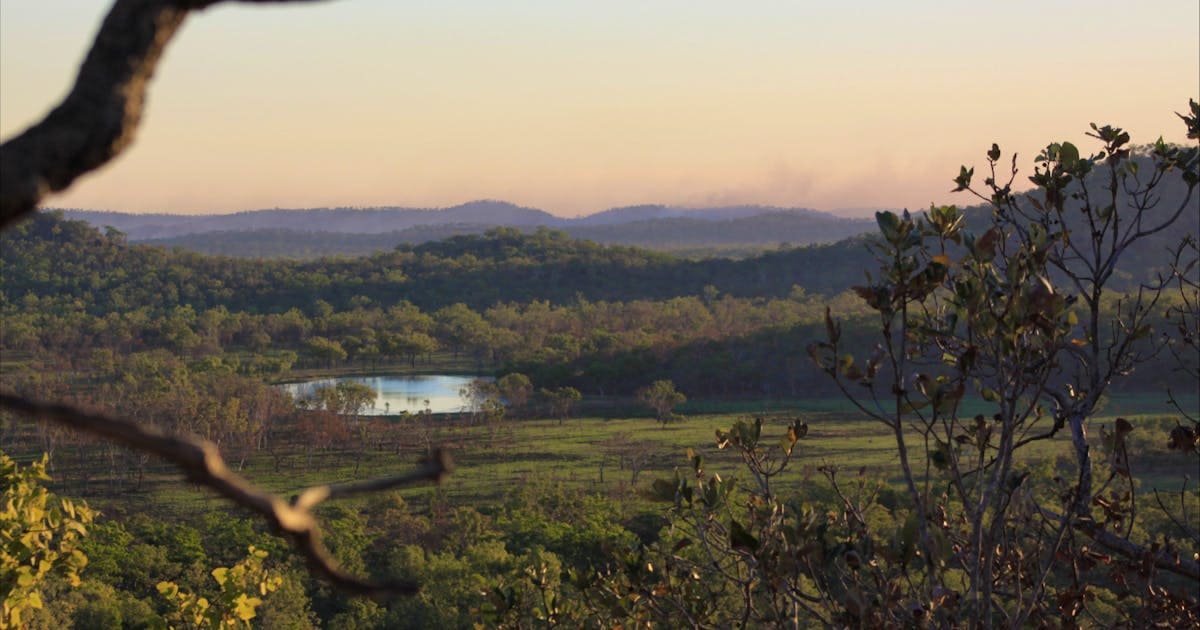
[
  {"x": 1162, "y": 559},
  {"x": 203, "y": 465},
  {"x": 435, "y": 469}
]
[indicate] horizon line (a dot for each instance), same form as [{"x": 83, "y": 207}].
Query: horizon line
[{"x": 860, "y": 211}]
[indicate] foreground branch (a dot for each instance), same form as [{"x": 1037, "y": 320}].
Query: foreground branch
[
  {"x": 1162, "y": 559},
  {"x": 201, "y": 462},
  {"x": 97, "y": 119}
]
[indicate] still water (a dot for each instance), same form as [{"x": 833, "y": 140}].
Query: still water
[{"x": 394, "y": 394}]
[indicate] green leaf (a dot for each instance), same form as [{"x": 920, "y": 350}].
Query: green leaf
[
  {"x": 940, "y": 456},
  {"x": 1068, "y": 155},
  {"x": 946, "y": 398},
  {"x": 663, "y": 490},
  {"x": 908, "y": 538},
  {"x": 24, "y": 577},
  {"x": 963, "y": 181},
  {"x": 846, "y": 365},
  {"x": 741, "y": 539},
  {"x": 244, "y": 607},
  {"x": 889, "y": 224},
  {"x": 833, "y": 330}
]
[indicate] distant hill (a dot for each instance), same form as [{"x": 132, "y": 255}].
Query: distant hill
[
  {"x": 141, "y": 227},
  {"x": 301, "y": 245},
  {"x": 632, "y": 214},
  {"x": 755, "y": 233},
  {"x": 708, "y": 228},
  {"x": 49, "y": 255},
  {"x": 349, "y": 231}
]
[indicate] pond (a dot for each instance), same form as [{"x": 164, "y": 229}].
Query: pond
[{"x": 398, "y": 393}]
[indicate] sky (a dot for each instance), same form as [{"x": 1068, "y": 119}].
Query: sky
[{"x": 576, "y": 106}]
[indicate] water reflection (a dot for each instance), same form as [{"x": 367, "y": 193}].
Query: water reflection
[{"x": 395, "y": 394}]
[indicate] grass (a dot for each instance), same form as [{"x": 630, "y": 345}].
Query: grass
[{"x": 587, "y": 453}]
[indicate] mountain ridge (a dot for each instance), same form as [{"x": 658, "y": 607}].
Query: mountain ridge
[
  {"x": 723, "y": 237},
  {"x": 483, "y": 213}
]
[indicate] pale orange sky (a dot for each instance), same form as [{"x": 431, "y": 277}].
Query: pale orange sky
[{"x": 574, "y": 107}]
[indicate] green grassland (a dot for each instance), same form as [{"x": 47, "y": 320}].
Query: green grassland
[{"x": 619, "y": 457}]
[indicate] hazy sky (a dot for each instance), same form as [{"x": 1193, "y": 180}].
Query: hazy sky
[{"x": 576, "y": 106}]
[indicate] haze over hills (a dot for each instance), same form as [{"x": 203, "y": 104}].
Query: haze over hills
[
  {"x": 630, "y": 214},
  {"x": 140, "y": 227},
  {"x": 726, "y": 231},
  {"x": 353, "y": 231}
]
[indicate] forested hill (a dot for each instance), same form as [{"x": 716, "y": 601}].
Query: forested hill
[
  {"x": 673, "y": 234},
  {"x": 330, "y": 220},
  {"x": 51, "y": 257}
]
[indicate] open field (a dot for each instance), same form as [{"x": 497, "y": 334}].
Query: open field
[{"x": 618, "y": 456}]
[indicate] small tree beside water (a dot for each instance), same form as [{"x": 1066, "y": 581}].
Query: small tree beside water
[{"x": 662, "y": 397}]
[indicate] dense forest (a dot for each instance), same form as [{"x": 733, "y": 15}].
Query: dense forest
[
  {"x": 603, "y": 319},
  {"x": 502, "y": 265},
  {"x": 575, "y": 313}
]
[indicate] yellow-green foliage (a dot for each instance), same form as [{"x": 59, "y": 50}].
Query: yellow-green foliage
[
  {"x": 242, "y": 587},
  {"x": 39, "y": 536}
]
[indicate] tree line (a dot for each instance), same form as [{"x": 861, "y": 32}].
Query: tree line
[{"x": 710, "y": 341}]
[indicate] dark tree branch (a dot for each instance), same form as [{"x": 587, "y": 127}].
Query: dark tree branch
[
  {"x": 99, "y": 117},
  {"x": 201, "y": 462},
  {"x": 436, "y": 469},
  {"x": 94, "y": 123},
  {"x": 1162, "y": 558}
]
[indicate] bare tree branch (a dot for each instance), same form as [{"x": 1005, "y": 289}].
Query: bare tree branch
[
  {"x": 98, "y": 118},
  {"x": 1161, "y": 558},
  {"x": 201, "y": 462},
  {"x": 436, "y": 469},
  {"x": 94, "y": 123}
]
